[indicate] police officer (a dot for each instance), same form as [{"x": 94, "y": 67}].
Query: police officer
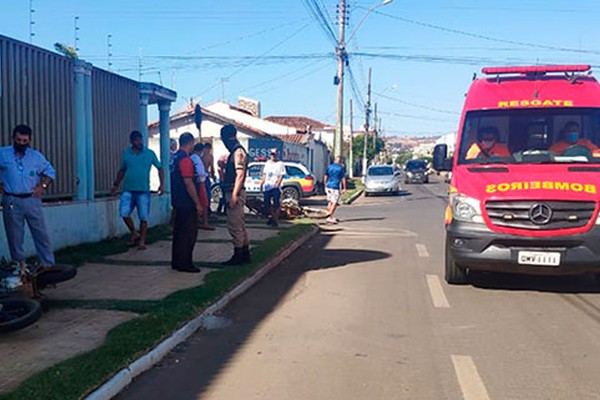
[
  {"x": 25, "y": 175},
  {"x": 234, "y": 192}
]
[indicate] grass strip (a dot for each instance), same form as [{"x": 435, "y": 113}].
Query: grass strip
[
  {"x": 78, "y": 376},
  {"x": 354, "y": 185}
]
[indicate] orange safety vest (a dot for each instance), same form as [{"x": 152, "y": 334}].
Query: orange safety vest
[
  {"x": 498, "y": 150},
  {"x": 559, "y": 147}
]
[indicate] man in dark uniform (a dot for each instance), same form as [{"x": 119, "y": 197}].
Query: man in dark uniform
[
  {"x": 234, "y": 192},
  {"x": 187, "y": 206}
]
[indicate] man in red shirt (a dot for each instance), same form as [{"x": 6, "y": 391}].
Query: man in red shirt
[{"x": 187, "y": 206}]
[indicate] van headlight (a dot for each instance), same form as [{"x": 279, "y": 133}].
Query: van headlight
[{"x": 465, "y": 209}]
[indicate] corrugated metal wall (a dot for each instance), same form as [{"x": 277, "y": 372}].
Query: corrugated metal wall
[
  {"x": 36, "y": 88},
  {"x": 116, "y": 113}
]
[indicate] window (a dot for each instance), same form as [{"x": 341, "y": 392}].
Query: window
[
  {"x": 255, "y": 171},
  {"x": 294, "y": 171},
  {"x": 380, "y": 171},
  {"x": 560, "y": 135}
]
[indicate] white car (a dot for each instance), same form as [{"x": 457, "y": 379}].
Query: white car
[{"x": 382, "y": 179}]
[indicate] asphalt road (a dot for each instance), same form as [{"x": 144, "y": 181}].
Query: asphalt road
[{"x": 363, "y": 312}]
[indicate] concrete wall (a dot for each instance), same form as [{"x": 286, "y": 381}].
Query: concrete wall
[{"x": 79, "y": 222}]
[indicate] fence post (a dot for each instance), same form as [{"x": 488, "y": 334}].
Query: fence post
[{"x": 81, "y": 69}]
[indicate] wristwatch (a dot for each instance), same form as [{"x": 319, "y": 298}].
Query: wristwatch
[{"x": 44, "y": 185}]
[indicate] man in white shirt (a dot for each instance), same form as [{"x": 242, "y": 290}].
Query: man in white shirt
[{"x": 272, "y": 177}]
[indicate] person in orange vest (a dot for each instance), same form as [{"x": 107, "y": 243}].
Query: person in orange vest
[
  {"x": 571, "y": 137},
  {"x": 487, "y": 145}
]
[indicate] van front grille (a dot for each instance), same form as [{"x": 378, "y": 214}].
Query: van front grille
[{"x": 540, "y": 215}]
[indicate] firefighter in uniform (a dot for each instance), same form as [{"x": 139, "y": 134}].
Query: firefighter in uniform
[
  {"x": 487, "y": 145},
  {"x": 235, "y": 195}
]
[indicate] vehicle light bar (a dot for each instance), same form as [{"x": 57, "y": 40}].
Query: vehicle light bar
[{"x": 535, "y": 69}]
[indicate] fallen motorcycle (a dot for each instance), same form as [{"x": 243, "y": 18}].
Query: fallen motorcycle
[{"x": 20, "y": 291}]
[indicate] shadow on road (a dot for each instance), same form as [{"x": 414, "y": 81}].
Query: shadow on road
[
  {"x": 362, "y": 219},
  {"x": 553, "y": 284},
  {"x": 189, "y": 371}
]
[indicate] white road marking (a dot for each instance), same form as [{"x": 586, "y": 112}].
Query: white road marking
[
  {"x": 422, "y": 250},
  {"x": 437, "y": 293},
  {"x": 468, "y": 378}
]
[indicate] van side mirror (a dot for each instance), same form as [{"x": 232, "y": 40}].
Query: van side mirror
[{"x": 441, "y": 162}]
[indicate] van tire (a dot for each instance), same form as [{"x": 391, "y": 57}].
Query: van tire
[{"x": 454, "y": 274}]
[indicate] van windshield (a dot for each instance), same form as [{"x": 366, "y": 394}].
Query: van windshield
[{"x": 531, "y": 136}]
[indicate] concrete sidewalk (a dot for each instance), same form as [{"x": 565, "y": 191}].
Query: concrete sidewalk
[{"x": 134, "y": 275}]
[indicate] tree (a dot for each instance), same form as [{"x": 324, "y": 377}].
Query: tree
[
  {"x": 404, "y": 157},
  {"x": 67, "y": 51},
  {"x": 358, "y": 144}
]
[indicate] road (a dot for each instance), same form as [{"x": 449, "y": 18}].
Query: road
[{"x": 363, "y": 312}]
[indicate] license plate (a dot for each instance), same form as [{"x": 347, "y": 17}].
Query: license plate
[{"x": 541, "y": 258}]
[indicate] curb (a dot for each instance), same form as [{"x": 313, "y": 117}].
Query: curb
[
  {"x": 125, "y": 376},
  {"x": 354, "y": 197}
]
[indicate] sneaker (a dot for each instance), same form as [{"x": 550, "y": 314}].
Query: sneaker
[
  {"x": 270, "y": 221},
  {"x": 331, "y": 220}
]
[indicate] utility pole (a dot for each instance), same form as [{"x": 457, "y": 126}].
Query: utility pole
[
  {"x": 375, "y": 127},
  {"x": 140, "y": 64},
  {"x": 367, "y": 121},
  {"x": 342, "y": 57},
  {"x": 351, "y": 146}
]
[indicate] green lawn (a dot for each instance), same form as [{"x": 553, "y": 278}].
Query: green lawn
[{"x": 78, "y": 376}]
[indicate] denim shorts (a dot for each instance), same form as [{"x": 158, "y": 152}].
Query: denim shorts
[{"x": 131, "y": 200}]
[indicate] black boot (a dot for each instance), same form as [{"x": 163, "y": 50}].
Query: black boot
[
  {"x": 236, "y": 259},
  {"x": 246, "y": 255}
]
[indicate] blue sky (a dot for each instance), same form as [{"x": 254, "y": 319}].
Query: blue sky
[{"x": 423, "y": 53}]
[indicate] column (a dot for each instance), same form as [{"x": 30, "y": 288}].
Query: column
[
  {"x": 144, "y": 100},
  {"x": 164, "y": 107},
  {"x": 89, "y": 135},
  {"x": 80, "y": 71}
]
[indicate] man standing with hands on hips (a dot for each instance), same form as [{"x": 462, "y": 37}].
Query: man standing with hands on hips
[
  {"x": 273, "y": 174},
  {"x": 234, "y": 192},
  {"x": 25, "y": 175}
]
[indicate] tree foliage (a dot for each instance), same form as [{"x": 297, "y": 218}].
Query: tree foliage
[{"x": 358, "y": 144}]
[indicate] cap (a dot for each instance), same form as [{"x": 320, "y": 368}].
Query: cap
[{"x": 273, "y": 151}]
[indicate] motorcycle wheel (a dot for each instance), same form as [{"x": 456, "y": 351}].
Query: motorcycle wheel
[{"x": 18, "y": 313}]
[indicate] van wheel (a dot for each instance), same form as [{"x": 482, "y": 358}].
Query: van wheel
[
  {"x": 454, "y": 274},
  {"x": 290, "y": 192}
]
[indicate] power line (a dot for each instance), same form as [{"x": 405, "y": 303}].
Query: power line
[
  {"x": 485, "y": 37},
  {"x": 313, "y": 9},
  {"x": 439, "y": 110},
  {"x": 237, "y": 71}
]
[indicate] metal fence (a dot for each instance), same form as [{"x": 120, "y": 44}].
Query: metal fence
[
  {"x": 116, "y": 108},
  {"x": 36, "y": 88}
]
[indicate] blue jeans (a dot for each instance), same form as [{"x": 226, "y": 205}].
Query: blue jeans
[
  {"x": 16, "y": 211},
  {"x": 131, "y": 200},
  {"x": 272, "y": 194},
  {"x": 208, "y": 184}
]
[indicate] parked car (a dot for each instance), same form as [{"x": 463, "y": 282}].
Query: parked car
[
  {"x": 415, "y": 171},
  {"x": 382, "y": 179},
  {"x": 298, "y": 182}
]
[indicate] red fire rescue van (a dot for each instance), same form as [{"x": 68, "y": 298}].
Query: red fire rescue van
[{"x": 525, "y": 190}]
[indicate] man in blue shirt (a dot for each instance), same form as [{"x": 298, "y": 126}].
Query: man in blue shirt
[
  {"x": 135, "y": 169},
  {"x": 334, "y": 178},
  {"x": 25, "y": 174}
]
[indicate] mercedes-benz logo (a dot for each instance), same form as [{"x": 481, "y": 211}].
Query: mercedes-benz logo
[{"x": 540, "y": 213}]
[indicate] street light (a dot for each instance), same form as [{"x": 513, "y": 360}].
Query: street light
[
  {"x": 342, "y": 57},
  {"x": 376, "y": 6}
]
